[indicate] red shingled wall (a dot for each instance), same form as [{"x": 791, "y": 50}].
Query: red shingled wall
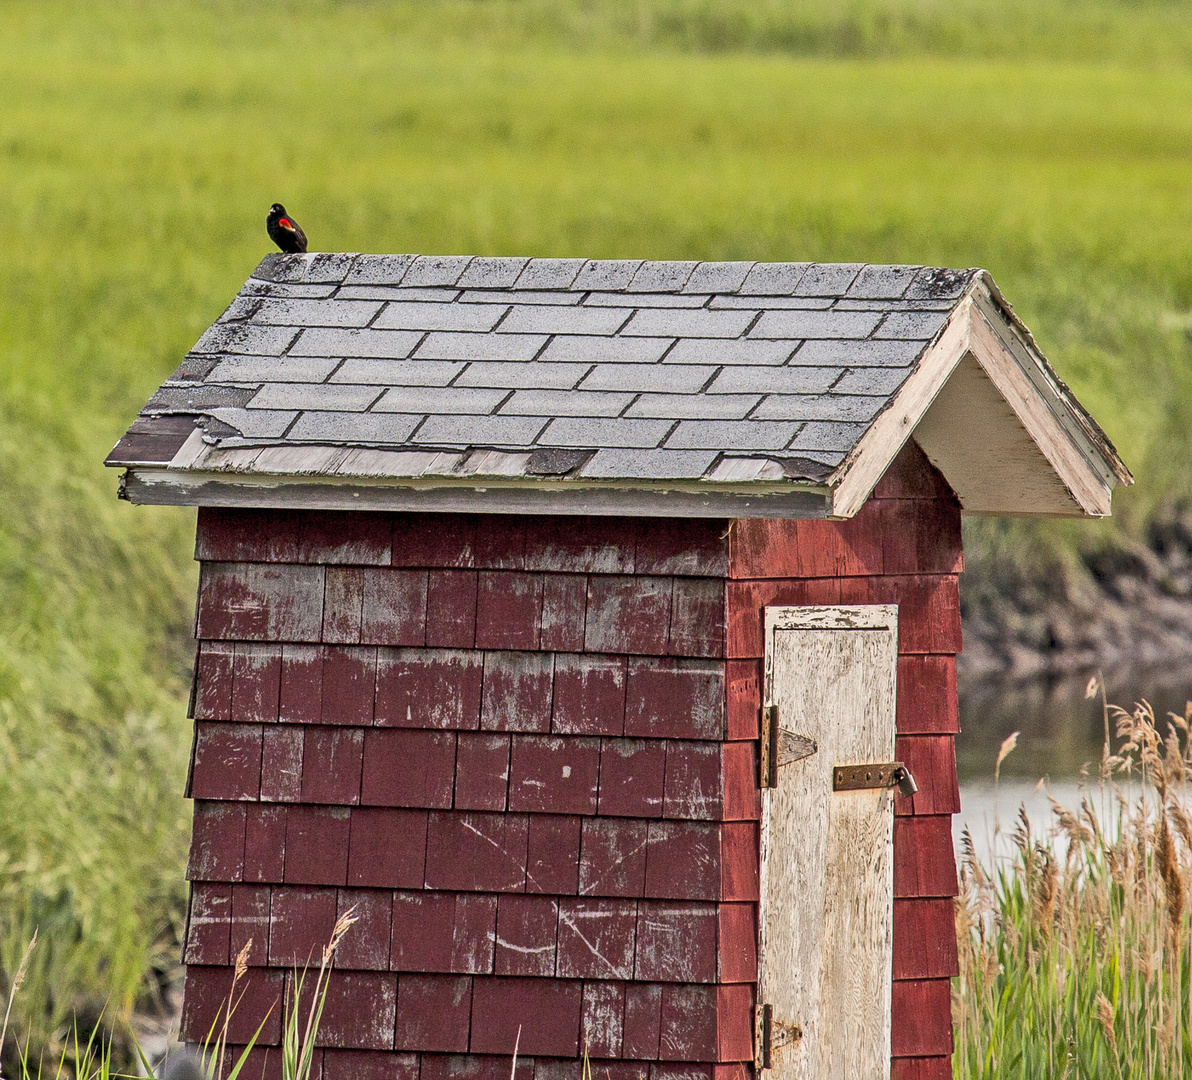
[{"x": 506, "y": 741}]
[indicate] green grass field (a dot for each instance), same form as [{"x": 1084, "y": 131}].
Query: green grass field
[{"x": 141, "y": 143}]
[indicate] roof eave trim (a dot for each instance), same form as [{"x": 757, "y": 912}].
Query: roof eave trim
[
  {"x": 476, "y": 494},
  {"x": 1083, "y": 458}
]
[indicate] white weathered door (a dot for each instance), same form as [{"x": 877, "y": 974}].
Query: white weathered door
[{"x": 827, "y": 874}]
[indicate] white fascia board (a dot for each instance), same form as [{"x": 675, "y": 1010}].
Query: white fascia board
[
  {"x": 1077, "y": 455},
  {"x": 474, "y": 494}
]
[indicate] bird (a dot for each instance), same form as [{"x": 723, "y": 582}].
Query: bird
[{"x": 284, "y": 231}]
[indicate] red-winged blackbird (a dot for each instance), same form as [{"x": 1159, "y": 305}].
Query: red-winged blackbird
[{"x": 284, "y": 231}]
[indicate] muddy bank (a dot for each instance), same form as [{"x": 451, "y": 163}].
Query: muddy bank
[{"x": 1123, "y": 606}]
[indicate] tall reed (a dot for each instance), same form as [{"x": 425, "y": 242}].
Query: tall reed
[{"x": 1074, "y": 952}]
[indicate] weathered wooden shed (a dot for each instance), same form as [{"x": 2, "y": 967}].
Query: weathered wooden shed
[{"x": 568, "y": 619}]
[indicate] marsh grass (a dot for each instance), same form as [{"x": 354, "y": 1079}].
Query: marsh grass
[
  {"x": 91, "y": 1058},
  {"x": 1076, "y": 951}
]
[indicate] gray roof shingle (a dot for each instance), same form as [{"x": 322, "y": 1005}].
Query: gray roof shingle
[{"x": 618, "y": 369}]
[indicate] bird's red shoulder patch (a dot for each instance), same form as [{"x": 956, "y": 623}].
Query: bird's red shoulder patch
[{"x": 285, "y": 223}]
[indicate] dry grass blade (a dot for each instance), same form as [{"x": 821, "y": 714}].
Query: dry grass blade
[
  {"x": 342, "y": 925},
  {"x": 516, "y": 1044},
  {"x": 1169, "y": 871},
  {"x": 1105, "y": 1018},
  {"x": 1007, "y": 748},
  {"x": 17, "y": 980}
]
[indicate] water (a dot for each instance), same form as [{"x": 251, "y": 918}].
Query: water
[{"x": 1059, "y": 731}]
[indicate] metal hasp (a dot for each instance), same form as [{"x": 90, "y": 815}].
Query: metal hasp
[
  {"x": 770, "y": 1035},
  {"x": 860, "y": 777},
  {"x": 779, "y": 747}
]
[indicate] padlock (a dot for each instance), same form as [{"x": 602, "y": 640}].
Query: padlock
[{"x": 905, "y": 782}]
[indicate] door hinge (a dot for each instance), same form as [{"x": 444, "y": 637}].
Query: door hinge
[
  {"x": 779, "y": 747},
  {"x": 770, "y": 1035},
  {"x": 763, "y": 1017},
  {"x": 863, "y": 777},
  {"x": 769, "y": 746}
]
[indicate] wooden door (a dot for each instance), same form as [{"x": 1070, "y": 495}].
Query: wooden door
[{"x": 827, "y": 874}]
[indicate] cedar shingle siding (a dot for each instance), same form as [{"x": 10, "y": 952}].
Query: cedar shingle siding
[{"x": 525, "y": 749}]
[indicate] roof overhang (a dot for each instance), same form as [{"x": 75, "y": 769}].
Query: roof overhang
[
  {"x": 486, "y": 494},
  {"x": 981, "y": 401},
  {"x": 991, "y": 414}
]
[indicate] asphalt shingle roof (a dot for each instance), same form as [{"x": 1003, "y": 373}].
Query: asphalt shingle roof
[{"x": 635, "y": 369}]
